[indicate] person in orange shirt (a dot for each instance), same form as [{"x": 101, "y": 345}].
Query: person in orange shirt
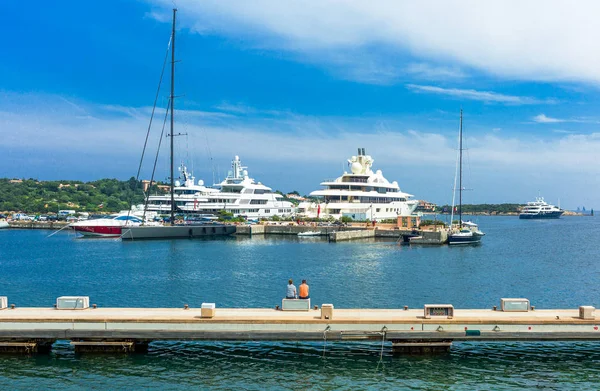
[{"x": 303, "y": 291}]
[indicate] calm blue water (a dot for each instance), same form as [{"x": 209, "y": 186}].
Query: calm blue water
[{"x": 553, "y": 263}]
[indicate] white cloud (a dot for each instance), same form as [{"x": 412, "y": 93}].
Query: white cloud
[
  {"x": 433, "y": 72},
  {"x": 548, "y": 40},
  {"x": 484, "y": 96},
  {"x": 543, "y": 119}
]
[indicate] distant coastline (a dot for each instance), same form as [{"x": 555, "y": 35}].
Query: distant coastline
[{"x": 496, "y": 213}]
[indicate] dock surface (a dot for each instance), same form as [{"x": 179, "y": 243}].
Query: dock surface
[{"x": 271, "y": 324}]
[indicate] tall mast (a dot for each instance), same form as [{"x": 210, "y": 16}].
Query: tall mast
[
  {"x": 172, "y": 110},
  {"x": 460, "y": 149}
]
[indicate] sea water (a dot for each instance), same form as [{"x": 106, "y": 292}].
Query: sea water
[{"x": 553, "y": 263}]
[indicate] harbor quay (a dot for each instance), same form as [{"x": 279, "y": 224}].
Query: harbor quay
[
  {"x": 331, "y": 232},
  {"x": 430, "y": 329},
  {"x": 345, "y": 233}
]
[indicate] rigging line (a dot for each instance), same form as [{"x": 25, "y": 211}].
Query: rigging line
[
  {"x": 58, "y": 230},
  {"x": 155, "y": 100},
  {"x": 156, "y": 159},
  {"x": 162, "y": 72},
  {"x": 468, "y": 163},
  {"x": 209, "y": 153},
  {"x": 454, "y": 186}
]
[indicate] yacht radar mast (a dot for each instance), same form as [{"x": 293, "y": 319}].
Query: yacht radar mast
[{"x": 361, "y": 164}]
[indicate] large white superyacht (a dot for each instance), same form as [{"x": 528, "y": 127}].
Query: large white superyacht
[
  {"x": 361, "y": 195},
  {"x": 242, "y": 196}
]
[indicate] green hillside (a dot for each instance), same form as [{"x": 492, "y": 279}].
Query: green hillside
[{"x": 106, "y": 195}]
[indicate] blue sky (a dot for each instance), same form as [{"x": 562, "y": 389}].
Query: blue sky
[{"x": 294, "y": 88}]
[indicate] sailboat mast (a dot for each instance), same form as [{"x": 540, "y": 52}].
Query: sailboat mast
[
  {"x": 460, "y": 187},
  {"x": 172, "y": 110}
]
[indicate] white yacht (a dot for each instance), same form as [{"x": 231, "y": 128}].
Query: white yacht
[
  {"x": 241, "y": 195},
  {"x": 361, "y": 195},
  {"x": 183, "y": 193},
  {"x": 540, "y": 209}
]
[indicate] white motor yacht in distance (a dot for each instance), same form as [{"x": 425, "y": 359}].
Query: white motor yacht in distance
[
  {"x": 242, "y": 196},
  {"x": 540, "y": 209},
  {"x": 361, "y": 195}
]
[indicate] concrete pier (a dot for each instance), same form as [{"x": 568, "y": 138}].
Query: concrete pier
[
  {"x": 289, "y": 229},
  {"x": 409, "y": 331},
  {"x": 430, "y": 238}
]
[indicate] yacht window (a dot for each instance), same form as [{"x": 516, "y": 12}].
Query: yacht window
[{"x": 249, "y": 191}]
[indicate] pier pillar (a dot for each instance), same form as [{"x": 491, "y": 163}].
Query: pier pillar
[{"x": 421, "y": 346}]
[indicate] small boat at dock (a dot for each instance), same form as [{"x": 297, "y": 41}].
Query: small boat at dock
[
  {"x": 309, "y": 233},
  {"x": 111, "y": 226}
]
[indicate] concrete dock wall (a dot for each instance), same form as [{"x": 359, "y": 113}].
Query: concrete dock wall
[
  {"x": 351, "y": 235},
  {"x": 286, "y": 229},
  {"x": 38, "y": 224},
  {"x": 431, "y": 237},
  {"x": 256, "y": 229},
  {"x": 343, "y": 233}
]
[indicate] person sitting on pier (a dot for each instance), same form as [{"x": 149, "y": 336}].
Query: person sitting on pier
[
  {"x": 291, "y": 290},
  {"x": 303, "y": 293}
]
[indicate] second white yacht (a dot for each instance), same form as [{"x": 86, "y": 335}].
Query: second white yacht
[
  {"x": 183, "y": 193},
  {"x": 242, "y": 196},
  {"x": 361, "y": 195}
]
